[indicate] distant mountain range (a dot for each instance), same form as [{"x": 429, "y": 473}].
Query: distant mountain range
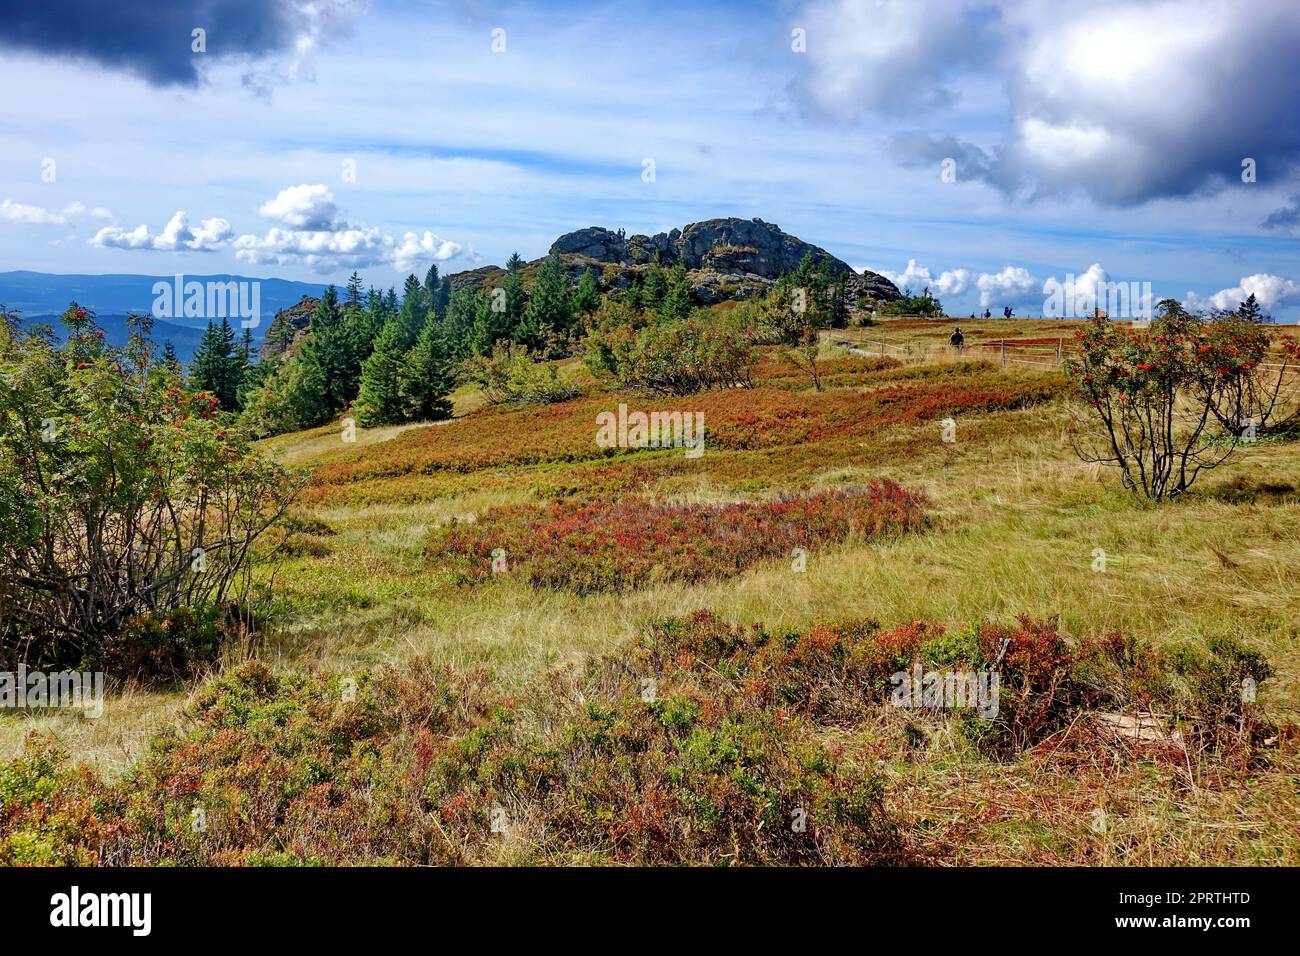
[
  {"x": 43, "y": 293},
  {"x": 43, "y": 296}
]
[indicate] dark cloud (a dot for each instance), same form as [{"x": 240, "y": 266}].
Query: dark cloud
[
  {"x": 150, "y": 38},
  {"x": 916, "y": 149},
  {"x": 1124, "y": 101},
  {"x": 1285, "y": 219}
]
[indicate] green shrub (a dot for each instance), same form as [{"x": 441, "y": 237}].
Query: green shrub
[
  {"x": 123, "y": 498},
  {"x": 672, "y": 357},
  {"x": 511, "y": 376}
]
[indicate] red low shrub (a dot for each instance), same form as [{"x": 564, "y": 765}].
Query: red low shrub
[{"x": 600, "y": 546}]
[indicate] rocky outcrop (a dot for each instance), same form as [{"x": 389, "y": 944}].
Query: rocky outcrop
[
  {"x": 726, "y": 259},
  {"x": 288, "y": 327},
  {"x": 735, "y": 258}
]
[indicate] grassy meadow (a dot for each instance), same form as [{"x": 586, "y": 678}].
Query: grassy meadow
[{"x": 1015, "y": 525}]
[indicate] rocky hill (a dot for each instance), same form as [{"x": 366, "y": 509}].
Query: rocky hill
[
  {"x": 289, "y": 326},
  {"x": 725, "y": 258}
]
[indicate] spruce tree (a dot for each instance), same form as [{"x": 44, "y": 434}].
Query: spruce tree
[
  {"x": 442, "y": 297},
  {"x": 427, "y": 376},
  {"x": 216, "y": 367},
  {"x": 329, "y": 359},
  {"x": 655, "y": 285},
  {"x": 280, "y": 335},
  {"x": 676, "y": 301},
  {"x": 414, "y": 310},
  {"x": 840, "y": 303},
  {"x": 587, "y": 299},
  {"x": 488, "y": 325},
  {"x": 515, "y": 300},
  {"x": 1250, "y": 310},
  {"x": 380, "y": 401},
  {"x": 550, "y": 306}
]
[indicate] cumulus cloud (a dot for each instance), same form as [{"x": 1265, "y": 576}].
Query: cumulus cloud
[
  {"x": 177, "y": 235},
  {"x": 1091, "y": 284},
  {"x": 1013, "y": 285},
  {"x": 1271, "y": 291},
  {"x": 954, "y": 282},
  {"x": 424, "y": 247},
  {"x": 154, "y": 40},
  {"x": 303, "y": 207},
  {"x": 1124, "y": 101},
  {"x": 28, "y": 215},
  {"x": 309, "y": 231},
  {"x": 895, "y": 57}
]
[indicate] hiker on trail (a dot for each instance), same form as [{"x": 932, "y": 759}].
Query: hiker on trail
[
  {"x": 957, "y": 340},
  {"x": 988, "y": 314}
]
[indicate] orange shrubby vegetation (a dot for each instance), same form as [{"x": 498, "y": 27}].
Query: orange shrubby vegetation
[
  {"x": 603, "y": 546},
  {"x": 703, "y": 742}
]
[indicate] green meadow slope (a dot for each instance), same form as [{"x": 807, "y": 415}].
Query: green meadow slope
[{"x": 386, "y": 563}]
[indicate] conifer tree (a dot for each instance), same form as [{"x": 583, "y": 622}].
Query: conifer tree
[
  {"x": 413, "y": 312},
  {"x": 1250, "y": 309},
  {"x": 489, "y": 318},
  {"x": 216, "y": 366},
  {"x": 380, "y": 400},
  {"x": 550, "y": 306},
  {"x": 587, "y": 299},
  {"x": 330, "y": 365},
  {"x": 839, "y": 308},
  {"x": 676, "y": 301},
  {"x": 280, "y": 335},
  {"x": 427, "y": 376},
  {"x": 655, "y": 285}
]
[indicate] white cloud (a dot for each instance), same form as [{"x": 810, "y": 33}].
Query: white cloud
[
  {"x": 351, "y": 248},
  {"x": 954, "y": 282},
  {"x": 303, "y": 207},
  {"x": 423, "y": 248},
  {"x": 318, "y": 238},
  {"x": 889, "y": 57},
  {"x": 1121, "y": 100},
  {"x": 1012, "y": 286},
  {"x": 1272, "y": 292},
  {"x": 27, "y": 215},
  {"x": 310, "y": 233},
  {"x": 177, "y": 235},
  {"x": 1091, "y": 285}
]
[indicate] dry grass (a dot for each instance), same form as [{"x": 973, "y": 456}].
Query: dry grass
[{"x": 1019, "y": 522}]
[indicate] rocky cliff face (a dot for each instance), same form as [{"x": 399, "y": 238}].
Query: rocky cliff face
[
  {"x": 288, "y": 327},
  {"x": 725, "y": 258}
]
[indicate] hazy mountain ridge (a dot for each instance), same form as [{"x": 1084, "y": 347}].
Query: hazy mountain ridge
[{"x": 45, "y": 294}]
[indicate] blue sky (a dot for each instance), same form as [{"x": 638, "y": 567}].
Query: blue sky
[{"x": 1109, "y": 134}]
